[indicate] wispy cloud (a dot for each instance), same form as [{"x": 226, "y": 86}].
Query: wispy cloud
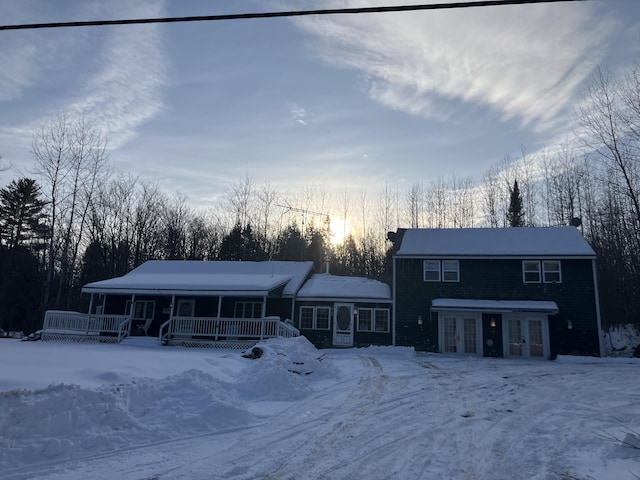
[
  {"x": 298, "y": 114},
  {"x": 524, "y": 62},
  {"x": 127, "y": 89},
  {"x": 121, "y": 85}
]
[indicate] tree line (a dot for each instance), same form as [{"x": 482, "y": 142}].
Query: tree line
[{"x": 78, "y": 220}]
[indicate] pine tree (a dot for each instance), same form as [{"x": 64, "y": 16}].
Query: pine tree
[
  {"x": 515, "y": 214},
  {"x": 21, "y": 214}
]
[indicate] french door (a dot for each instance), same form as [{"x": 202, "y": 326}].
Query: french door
[
  {"x": 526, "y": 336},
  {"x": 460, "y": 334}
]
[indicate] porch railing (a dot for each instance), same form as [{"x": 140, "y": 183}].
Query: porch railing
[
  {"x": 59, "y": 325},
  {"x": 224, "y": 330}
]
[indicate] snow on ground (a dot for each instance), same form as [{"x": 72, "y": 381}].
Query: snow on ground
[{"x": 138, "y": 411}]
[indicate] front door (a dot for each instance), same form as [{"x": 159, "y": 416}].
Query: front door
[
  {"x": 185, "y": 311},
  {"x": 460, "y": 333},
  {"x": 527, "y": 336},
  {"x": 343, "y": 325}
]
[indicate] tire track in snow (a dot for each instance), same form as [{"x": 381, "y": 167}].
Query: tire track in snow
[{"x": 328, "y": 451}]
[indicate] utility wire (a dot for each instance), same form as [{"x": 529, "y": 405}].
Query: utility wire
[{"x": 295, "y": 13}]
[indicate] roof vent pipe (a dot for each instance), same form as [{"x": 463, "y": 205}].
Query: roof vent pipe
[{"x": 327, "y": 267}]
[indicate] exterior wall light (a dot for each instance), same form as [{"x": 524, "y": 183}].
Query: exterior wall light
[
  {"x": 569, "y": 325},
  {"x": 492, "y": 323},
  {"x": 419, "y": 319}
]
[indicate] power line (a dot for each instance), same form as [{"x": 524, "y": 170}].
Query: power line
[{"x": 295, "y": 13}]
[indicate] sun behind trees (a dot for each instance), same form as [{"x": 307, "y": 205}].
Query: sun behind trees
[{"x": 80, "y": 221}]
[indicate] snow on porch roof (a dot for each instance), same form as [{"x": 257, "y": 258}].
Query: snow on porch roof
[
  {"x": 495, "y": 242},
  {"x": 327, "y": 286},
  {"x": 207, "y": 277},
  {"x": 440, "y": 304}
]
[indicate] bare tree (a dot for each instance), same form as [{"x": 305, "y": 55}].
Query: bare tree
[{"x": 71, "y": 161}]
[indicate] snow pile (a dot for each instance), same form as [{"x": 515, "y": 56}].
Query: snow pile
[
  {"x": 61, "y": 421},
  {"x": 282, "y": 370},
  {"x": 68, "y": 421},
  {"x": 621, "y": 340}
]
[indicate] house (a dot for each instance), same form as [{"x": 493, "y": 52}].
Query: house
[
  {"x": 496, "y": 292},
  {"x": 341, "y": 311},
  {"x": 189, "y": 302}
]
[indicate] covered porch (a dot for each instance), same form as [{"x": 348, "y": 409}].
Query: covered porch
[{"x": 226, "y": 304}]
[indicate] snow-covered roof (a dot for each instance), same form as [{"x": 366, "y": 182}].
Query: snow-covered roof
[
  {"x": 207, "y": 278},
  {"x": 495, "y": 242},
  {"x": 440, "y": 304},
  {"x": 327, "y": 286}
]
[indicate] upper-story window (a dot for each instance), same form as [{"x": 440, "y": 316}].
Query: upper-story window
[
  {"x": 547, "y": 271},
  {"x": 432, "y": 270},
  {"x": 551, "y": 272},
  {"x": 441, "y": 270}
]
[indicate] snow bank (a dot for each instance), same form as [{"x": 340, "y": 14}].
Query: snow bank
[
  {"x": 621, "y": 340},
  {"x": 282, "y": 372},
  {"x": 64, "y": 421}
]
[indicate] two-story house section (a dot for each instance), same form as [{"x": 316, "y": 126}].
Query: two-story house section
[{"x": 496, "y": 292}]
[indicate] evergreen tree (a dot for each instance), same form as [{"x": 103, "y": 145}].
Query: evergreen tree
[
  {"x": 515, "y": 214},
  {"x": 21, "y": 215}
]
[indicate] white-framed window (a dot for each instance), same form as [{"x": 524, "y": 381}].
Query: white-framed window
[
  {"x": 315, "y": 318},
  {"x": 441, "y": 270},
  {"x": 373, "y": 320},
  {"x": 248, "y": 310},
  {"x": 432, "y": 270},
  {"x": 531, "y": 271},
  {"x": 551, "y": 271},
  {"x": 450, "y": 271}
]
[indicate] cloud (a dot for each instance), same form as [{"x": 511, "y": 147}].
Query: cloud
[
  {"x": 525, "y": 62},
  {"x": 298, "y": 114},
  {"x": 126, "y": 91},
  {"x": 120, "y": 82}
]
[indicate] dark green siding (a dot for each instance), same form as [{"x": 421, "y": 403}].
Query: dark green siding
[
  {"x": 324, "y": 338},
  {"x": 499, "y": 279}
]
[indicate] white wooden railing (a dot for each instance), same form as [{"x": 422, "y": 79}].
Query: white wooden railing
[
  {"x": 59, "y": 323},
  {"x": 226, "y": 329}
]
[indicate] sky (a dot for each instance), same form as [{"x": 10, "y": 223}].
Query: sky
[
  {"x": 138, "y": 410},
  {"x": 342, "y": 102}
]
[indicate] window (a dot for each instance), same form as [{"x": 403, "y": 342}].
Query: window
[
  {"x": 445, "y": 270},
  {"x": 531, "y": 271},
  {"x": 143, "y": 309},
  {"x": 432, "y": 270},
  {"x": 322, "y": 318},
  {"x": 364, "y": 319},
  {"x": 248, "y": 310},
  {"x": 317, "y": 318},
  {"x": 382, "y": 320},
  {"x": 373, "y": 320},
  {"x": 450, "y": 271},
  {"x": 551, "y": 271},
  {"x": 306, "y": 317}
]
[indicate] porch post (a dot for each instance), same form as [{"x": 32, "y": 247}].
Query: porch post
[
  {"x": 220, "y": 297},
  {"x": 90, "y": 304},
  {"x": 264, "y": 310}
]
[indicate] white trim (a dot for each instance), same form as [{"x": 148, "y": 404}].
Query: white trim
[
  {"x": 393, "y": 304},
  {"x": 495, "y": 257},
  {"x": 493, "y": 306},
  {"x": 597, "y": 298}
]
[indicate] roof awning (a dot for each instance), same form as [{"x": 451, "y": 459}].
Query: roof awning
[{"x": 498, "y": 306}]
